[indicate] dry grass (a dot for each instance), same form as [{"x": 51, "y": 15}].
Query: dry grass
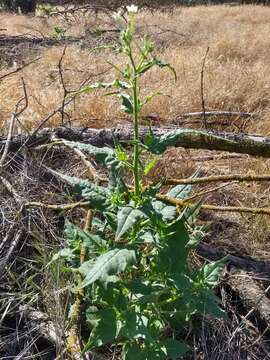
[{"x": 237, "y": 74}]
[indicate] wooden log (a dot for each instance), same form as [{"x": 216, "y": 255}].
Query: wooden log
[
  {"x": 252, "y": 295},
  {"x": 250, "y": 144},
  {"x": 259, "y": 268}
]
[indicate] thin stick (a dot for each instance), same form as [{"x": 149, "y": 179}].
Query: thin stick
[
  {"x": 10, "y": 189},
  {"x": 66, "y": 92},
  {"x": 218, "y": 113},
  {"x": 74, "y": 345},
  {"x": 202, "y": 87},
  {"x": 91, "y": 170},
  {"x": 239, "y": 209},
  {"x": 18, "y": 69},
  {"x": 9, "y": 136},
  {"x": 206, "y": 192},
  {"x": 62, "y": 207},
  {"x": 217, "y": 178},
  {"x": 15, "y": 241},
  {"x": 14, "y": 117}
]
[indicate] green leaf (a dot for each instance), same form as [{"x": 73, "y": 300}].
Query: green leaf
[
  {"x": 132, "y": 351},
  {"x": 167, "y": 212},
  {"x": 100, "y": 85},
  {"x": 180, "y": 191},
  {"x": 148, "y": 167},
  {"x": 173, "y": 349},
  {"x": 209, "y": 274},
  {"x": 66, "y": 254},
  {"x": 172, "y": 257},
  {"x": 127, "y": 217},
  {"x": 159, "y": 144},
  {"x": 102, "y": 155},
  {"x": 151, "y": 97},
  {"x": 144, "y": 351},
  {"x": 127, "y": 103},
  {"x": 74, "y": 234},
  {"x": 163, "y": 64},
  {"x": 207, "y": 303},
  {"x": 111, "y": 263},
  {"x": 134, "y": 325},
  {"x": 105, "y": 328},
  {"x": 98, "y": 196}
]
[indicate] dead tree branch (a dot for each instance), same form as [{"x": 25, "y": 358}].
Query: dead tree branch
[
  {"x": 241, "y": 143},
  {"x": 218, "y": 178}
]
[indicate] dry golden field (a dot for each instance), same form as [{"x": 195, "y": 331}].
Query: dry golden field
[{"x": 237, "y": 71}]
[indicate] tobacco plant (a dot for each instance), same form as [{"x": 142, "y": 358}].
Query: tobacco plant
[{"x": 136, "y": 282}]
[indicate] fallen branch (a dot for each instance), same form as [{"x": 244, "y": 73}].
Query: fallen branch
[
  {"x": 183, "y": 203},
  {"x": 218, "y": 113},
  {"x": 218, "y": 178},
  {"x": 255, "y": 145},
  {"x": 253, "y": 297},
  {"x": 259, "y": 268},
  {"x": 43, "y": 325},
  {"x": 12, "y": 246}
]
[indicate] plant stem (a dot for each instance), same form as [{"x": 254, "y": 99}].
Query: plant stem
[{"x": 136, "y": 139}]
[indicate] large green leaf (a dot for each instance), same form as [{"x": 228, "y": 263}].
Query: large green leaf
[
  {"x": 111, "y": 263},
  {"x": 132, "y": 351},
  {"x": 173, "y": 349},
  {"x": 209, "y": 274},
  {"x": 167, "y": 212},
  {"x": 172, "y": 257},
  {"x": 98, "y": 196},
  {"x": 127, "y": 217},
  {"x": 180, "y": 192},
  {"x": 134, "y": 325},
  {"x": 207, "y": 303},
  {"x": 105, "y": 328},
  {"x": 103, "y": 155},
  {"x": 73, "y": 234}
]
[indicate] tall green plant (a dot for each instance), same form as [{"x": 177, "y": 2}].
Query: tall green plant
[{"x": 139, "y": 289}]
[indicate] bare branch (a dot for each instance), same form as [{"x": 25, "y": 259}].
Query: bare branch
[{"x": 202, "y": 88}]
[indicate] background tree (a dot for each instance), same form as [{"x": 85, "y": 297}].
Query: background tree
[{"x": 26, "y": 6}]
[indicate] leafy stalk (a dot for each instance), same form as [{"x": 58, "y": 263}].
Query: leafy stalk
[{"x": 131, "y": 258}]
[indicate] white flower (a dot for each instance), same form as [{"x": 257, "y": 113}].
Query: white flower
[{"x": 132, "y": 9}]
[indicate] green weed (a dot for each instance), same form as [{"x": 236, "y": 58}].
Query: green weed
[{"x": 131, "y": 260}]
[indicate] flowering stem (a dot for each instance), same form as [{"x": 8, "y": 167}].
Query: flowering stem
[{"x": 136, "y": 138}]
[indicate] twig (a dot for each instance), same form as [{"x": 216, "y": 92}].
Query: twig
[
  {"x": 12, "y": 246},
  {"x": 10, "y": 189},
  {"x": 218, "y": 113},
  {"x": 14, "y": 117},
  {"x": 62, "y": 207},
  {"x": 73, "y": 341},
  {"x": 217, "y": 157},
  {"x": 9, "y": 136},
  {"x": 18, "y": 69},
  {"x": 66, "y": 92},
  {"x": 218, "y": 178},
  {"x": 67, "y": 101},
  {"x": 206, "y": 192},
  {"x": 202, "y": 88},
  {"x": 91, "y": 170},
  {"x": 184, "y": 203}
]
